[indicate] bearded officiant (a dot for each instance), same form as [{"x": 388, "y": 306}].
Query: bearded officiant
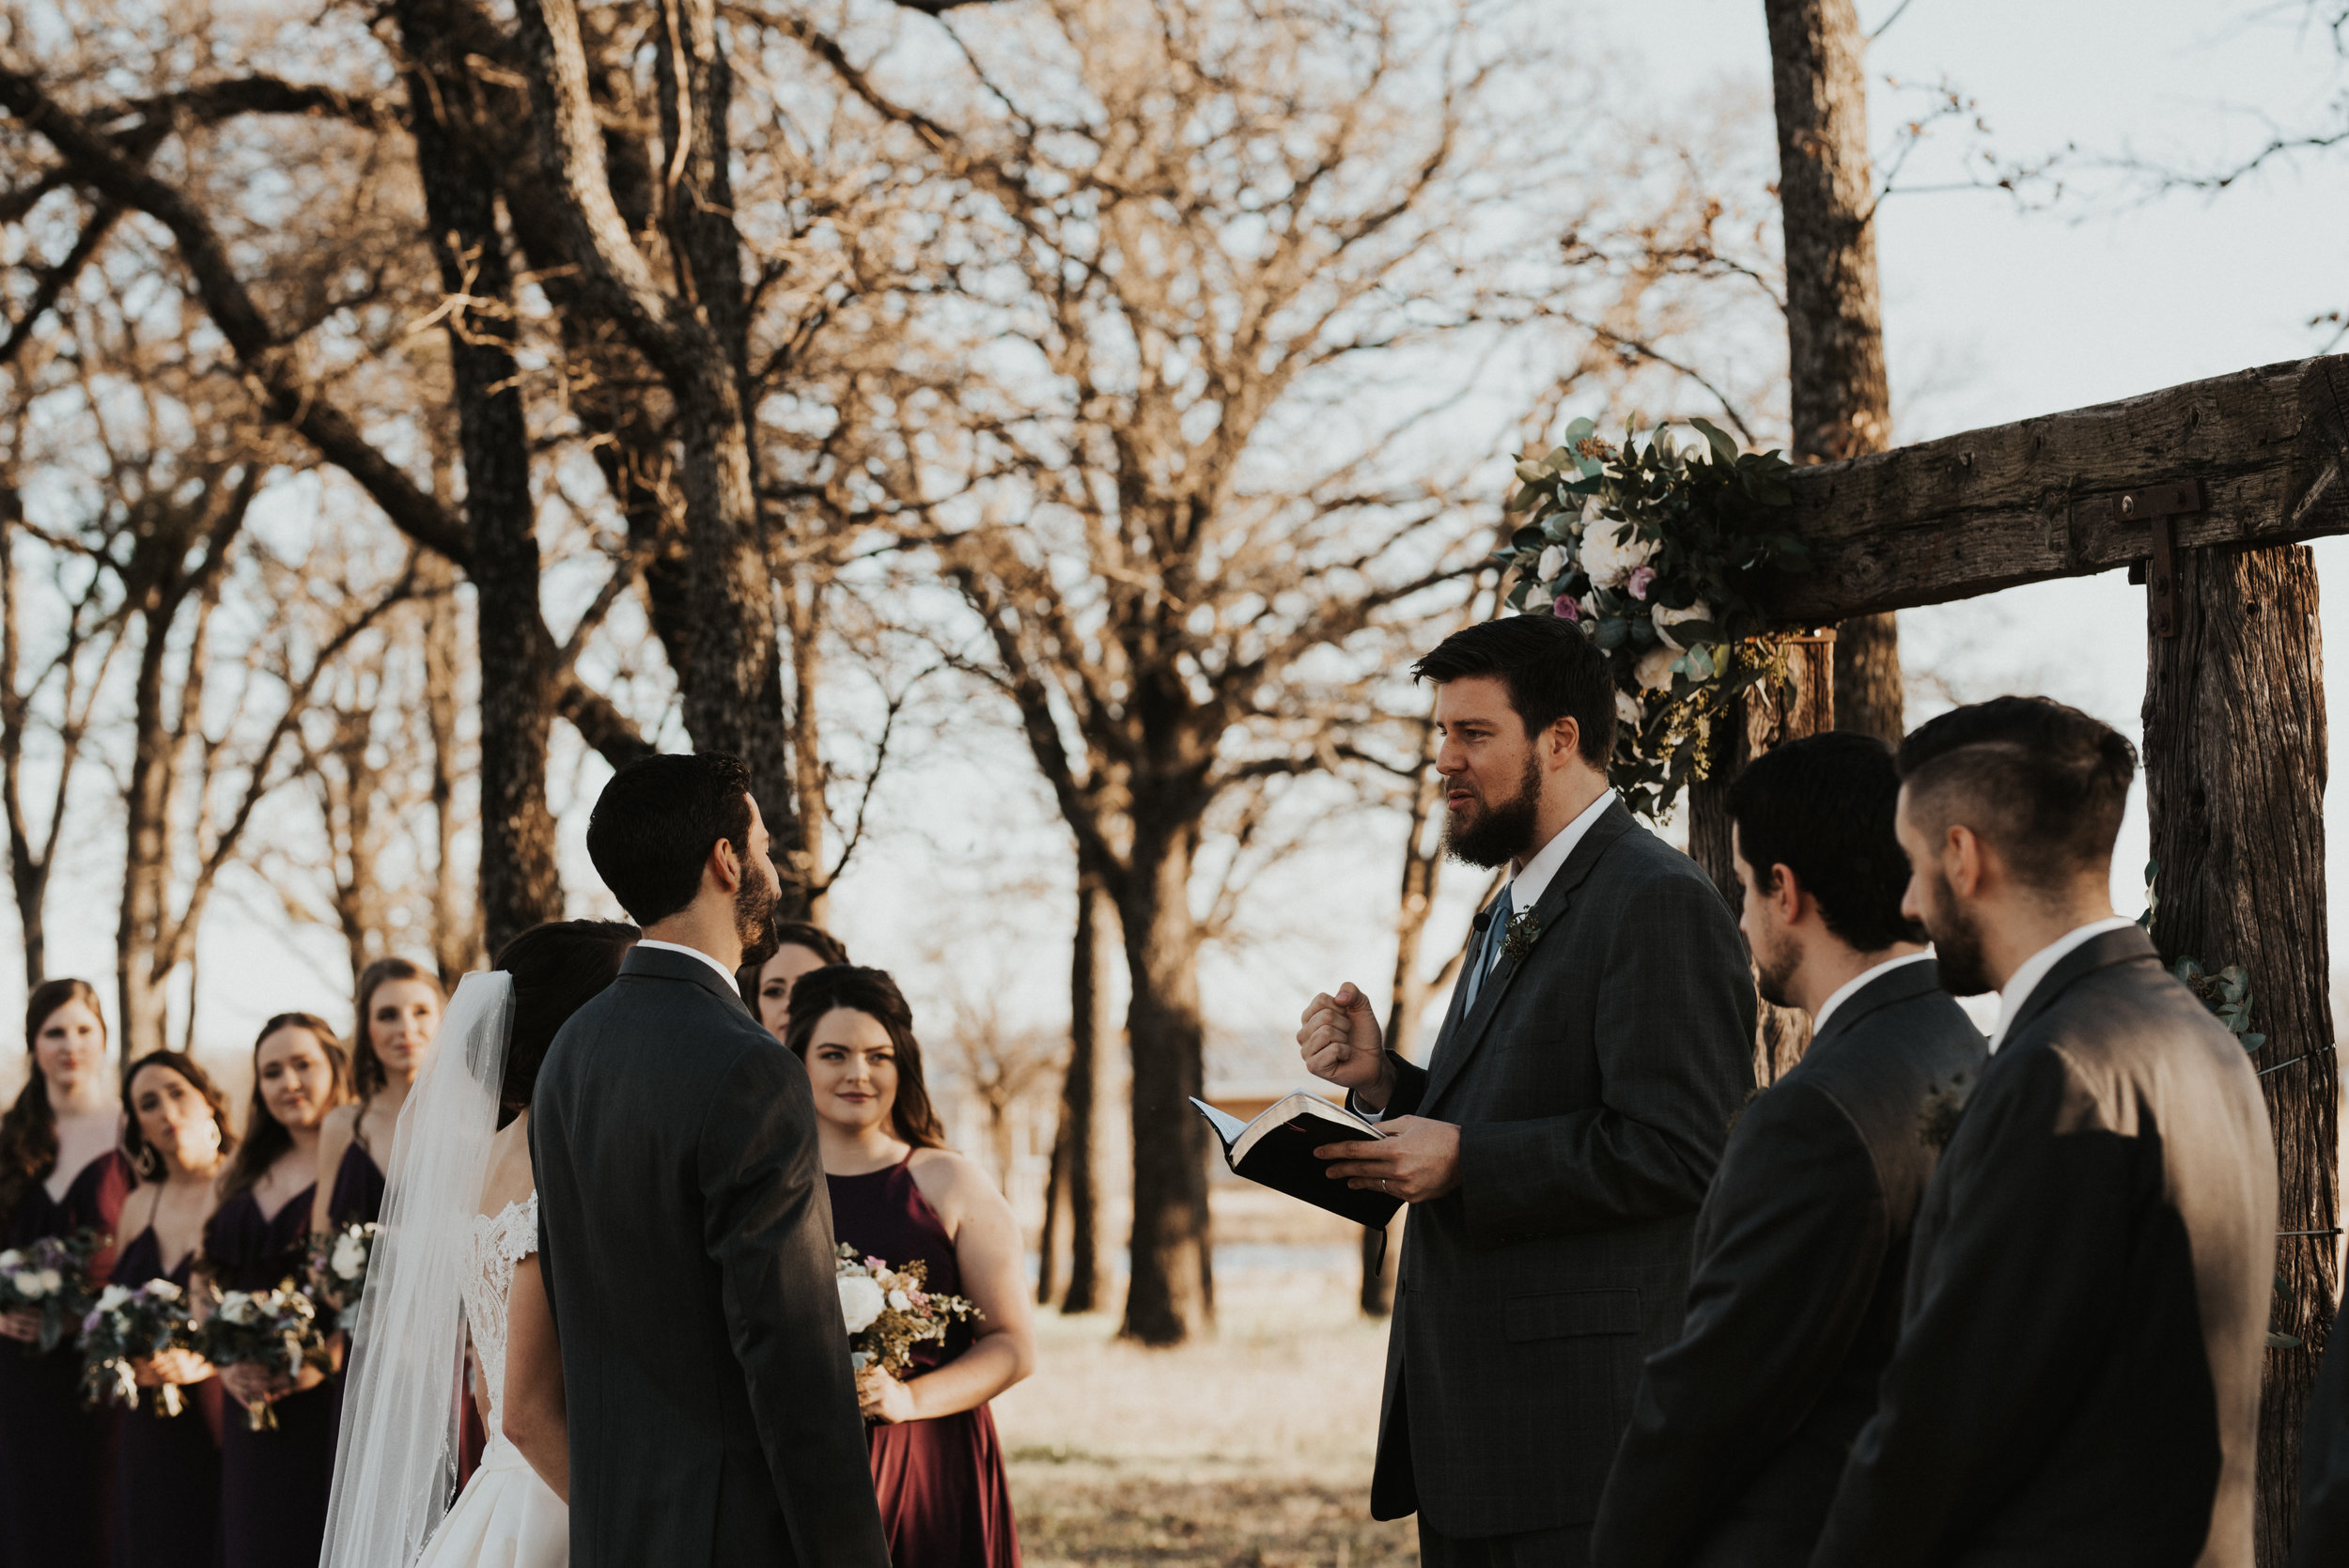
[{"x": 1556, "y": 1147}]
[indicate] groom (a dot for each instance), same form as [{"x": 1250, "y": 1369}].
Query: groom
[
  {"x": 684, "y": 1231},
  {"x": 1556, "y": 1145}
]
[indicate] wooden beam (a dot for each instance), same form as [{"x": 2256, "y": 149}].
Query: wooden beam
[{"x": 2023, "y": 503}]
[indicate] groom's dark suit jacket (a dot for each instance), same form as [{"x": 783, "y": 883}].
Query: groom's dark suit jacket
[
  {"x": 1741, "y": 1429},
  {"x": 1593, "y": 1083},
  {"x": 685, "y": 1239},
  {"x": 2077, "y": 1380}
]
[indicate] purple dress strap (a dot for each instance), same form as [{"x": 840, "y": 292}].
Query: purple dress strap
[
  {"x": 56, "y": 1456},
  {"x": 167, "y": 1467},
  {"x": 273, "y": 1485},
  {"x": 945, "y": 1500}
]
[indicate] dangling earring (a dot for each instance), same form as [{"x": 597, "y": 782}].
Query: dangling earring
[{"x": 148, "y": 1164}]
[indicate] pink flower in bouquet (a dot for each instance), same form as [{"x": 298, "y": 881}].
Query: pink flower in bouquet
[
  {"x": 1565, "y": 608},
  {"x": 1640, "y": 582}
]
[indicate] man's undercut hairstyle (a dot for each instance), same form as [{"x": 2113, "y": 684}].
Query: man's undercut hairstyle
[
  {"x": 2045, "y": 784},
  {"x": 1552, "y": 671},
  {"x": 656, "y": 822},
  {"x": 1822, "y": 807}
]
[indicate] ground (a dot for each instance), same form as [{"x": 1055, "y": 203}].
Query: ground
[{"x": 1247, "y": 1448}]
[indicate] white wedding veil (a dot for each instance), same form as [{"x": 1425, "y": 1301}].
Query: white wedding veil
[{"x": 397, "y": 1462}]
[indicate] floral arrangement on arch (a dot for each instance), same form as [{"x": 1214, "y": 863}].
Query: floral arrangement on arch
[{"x": 1658, "y": 552}]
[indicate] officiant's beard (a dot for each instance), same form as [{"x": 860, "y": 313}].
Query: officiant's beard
[
  {"x": 754, "y": 918},
  {"x": 1496, "y": 832},
  {"x": 1956, "y": 942}
]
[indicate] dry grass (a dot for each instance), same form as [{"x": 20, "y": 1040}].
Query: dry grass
[{"x": 1245, "y": 1450}]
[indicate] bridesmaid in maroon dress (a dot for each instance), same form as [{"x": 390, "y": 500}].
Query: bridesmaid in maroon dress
[
  {"x": 899, "y": 1196},
  {"x": 59, "y": 1173},
  {"x": 398, "y": 1013},
  {"x": 274, "y": 1484},
  {"x": 167, "y": 1467}
]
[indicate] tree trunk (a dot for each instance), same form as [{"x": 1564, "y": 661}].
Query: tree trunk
[
  {"x": 1839, "y": 401},
  {"x": 27, "y": 877},
  {"x": 1771, "y": 717},
  {"x": 2234, "y": 779},
  {"x": 456, "y": 924},
  {"x": 803, "y": 605},
  {"x": 146, "y": 856},
  {"x": 1172, "y": 1288},
  {"x": 1079, "y": 1188},
  {"x": 519, "y": 883}
]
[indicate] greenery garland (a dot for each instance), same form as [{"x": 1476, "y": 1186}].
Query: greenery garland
[{"x": 1658, "y": 552}]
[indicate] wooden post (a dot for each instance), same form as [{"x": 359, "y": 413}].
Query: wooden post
[
  {"x": 2234, "y": 776},
  {"x": 1771, "y": 717}
]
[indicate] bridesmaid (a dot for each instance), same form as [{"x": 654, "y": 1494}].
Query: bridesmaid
[
  {"x": 897, "y": 1194},
  {"x": 274, "y": 1484},
  {"x": 767, "y": 987},
  {"x": 167, "y": 1469},
  {"x": 399, "y": 1013},
  {"x": 59, "y": 1173}
]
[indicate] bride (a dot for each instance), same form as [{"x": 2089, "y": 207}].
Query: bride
[{"x": 457, "y": 1254}]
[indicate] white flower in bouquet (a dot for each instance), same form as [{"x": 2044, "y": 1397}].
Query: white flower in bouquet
[
  {"x": 899, "y": 1301},
  {"x": 113, "y": 1296},
  {"x": 861, "y": 1301},
  {"x": 237, "y": 1307},
  {"x": 1611, "y": 551},
  {"x": 350, "y": 1256},
  {"x": 1627, "y": 710},
  {"x": 51, "y": 1281},
  {"x": 1553, "y": 561},
  {"x": 1538, "y": 599},
  {"x": 1654, "y": 669},
  {"x": 1667, "y": 619}
]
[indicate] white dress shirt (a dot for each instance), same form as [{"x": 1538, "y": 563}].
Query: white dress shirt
[
  {"x": 2034, "y": 969},
  {"x": 722, "y": 971},
  {"x": 1844, "y": 992},
  {"x": 1525, "y": 889}
]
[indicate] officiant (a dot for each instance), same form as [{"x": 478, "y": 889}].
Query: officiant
[{"x": 1557, "y": 1144}]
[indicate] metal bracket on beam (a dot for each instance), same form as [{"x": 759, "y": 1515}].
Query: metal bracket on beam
[{"x": 2157, "y": 505}]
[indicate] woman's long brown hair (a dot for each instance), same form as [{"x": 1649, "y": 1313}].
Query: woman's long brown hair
[
  {"x": 28, "y": 1133},
  {"x": 873, "y": 994},
  {"x": 265, "y": 1136}
]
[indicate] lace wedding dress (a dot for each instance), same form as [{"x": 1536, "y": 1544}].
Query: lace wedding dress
[{"x": 505, "y": 1518}]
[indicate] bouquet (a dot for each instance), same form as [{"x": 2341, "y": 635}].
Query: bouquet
[
  {"x": 887, "y": 1313},
  {"x": 131, "y": 1326},
  {"x": 338, "y": 1271},
  {"x": 52, "y": 1277},
  {"x": 273, "y": 1328}
]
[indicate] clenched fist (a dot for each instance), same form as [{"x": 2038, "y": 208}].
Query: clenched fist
[{"x": 1341, "y": 1043}]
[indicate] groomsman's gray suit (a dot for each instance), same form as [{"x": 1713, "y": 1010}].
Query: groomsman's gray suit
[
  {"x": 1593, "y": 1081},
  {"x": 1741, "y": 1429},
  {"x": 685, "y": 1238},
  {"x": 2077, "y": 1380}
]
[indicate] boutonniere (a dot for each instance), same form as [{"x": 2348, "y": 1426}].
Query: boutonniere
[{"x": 1518, "y": 940}]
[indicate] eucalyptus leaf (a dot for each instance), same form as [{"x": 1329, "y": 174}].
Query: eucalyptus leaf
[
  {"x": 1611, "y": 631},
  {"x": 1724, "y": 448}
]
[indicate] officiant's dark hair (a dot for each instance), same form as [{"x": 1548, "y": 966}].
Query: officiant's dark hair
[
  {"x": 656, "y": 822},
  {"x": 2045, "y": 784},
  {"x": 1822, "y": 807},
  {"x": 558, "y": 966},
  {"x": 1551, "y": 670},
  {"x": 873, "y": 994}
]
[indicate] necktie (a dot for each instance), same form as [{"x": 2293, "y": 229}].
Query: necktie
[{"x": 1488, "y": 952}]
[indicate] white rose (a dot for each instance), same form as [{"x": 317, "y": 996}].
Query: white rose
[
  {"x": 113, "y": 1296},
  {"x": 1627, "y": 710},
  {"x": 898, "y": 1302},
  {"x": 27, "y": 1283},
  {"x": 1654, "y": 669},
  {"x": 1538, "y": 598},
  {"x": 1612, "y": 552},
  {"x": 162, "y": 1290},
  {"x": 1667, "y": 619},
  {"x": 1553, "y": 561},
  {"x": 861, "y": 1301},
  {"x": 238, "y": 1309},
  {"x": 350, "y": 1256},
  {"x": 51, "y": 1281},
  {"x": 10, "y": 1261}
]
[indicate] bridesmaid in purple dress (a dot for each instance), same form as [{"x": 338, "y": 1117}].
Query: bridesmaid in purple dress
[
  {"x": 399, "y": 1013},
  {"x": 274, "y": 1484},
  {"x": 59, "y": 1173},
  {"x": 766, "y": 988},
  {"x": 897, "y": 1195},
  {"x": 167, "y": 1467}
]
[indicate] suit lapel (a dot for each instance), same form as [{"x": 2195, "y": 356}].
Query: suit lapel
[
  {"x": 1905, "y": 984},
  {"x": 2113, "y": 947},
  {"x": 1464, "y": 1031}
]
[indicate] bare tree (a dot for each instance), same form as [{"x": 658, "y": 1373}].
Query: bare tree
[{"x": 1071, "y": 1189}]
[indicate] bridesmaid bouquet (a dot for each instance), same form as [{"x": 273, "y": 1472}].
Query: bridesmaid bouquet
[
  {"x": 273, "y": 1328},
  {"x": 887, "y": 1313},
  {"x": 129, "y": 1326},
  {"x": 338, "y": 1271},
  {"x": 51, "y": 1277}
]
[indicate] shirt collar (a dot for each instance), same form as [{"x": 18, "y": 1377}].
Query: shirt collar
[
  {"x": 2034, "y": 969},
  {"x": 1527, "y": 887},
  {"x": 1851, "y": 987},
  {"x": 724, "y": 973}
]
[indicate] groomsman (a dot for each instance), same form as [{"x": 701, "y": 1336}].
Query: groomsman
[
  {"x": 1558, "y": 1143},
  {"x": 2078, "y": 1371},
  {"x": 1740, "y": 1429}
]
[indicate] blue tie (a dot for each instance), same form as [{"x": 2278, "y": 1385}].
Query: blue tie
[{"x": 1496, "y": 931}]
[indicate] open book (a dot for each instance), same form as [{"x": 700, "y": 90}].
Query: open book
[{"x": 1276, "y": 1150}]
